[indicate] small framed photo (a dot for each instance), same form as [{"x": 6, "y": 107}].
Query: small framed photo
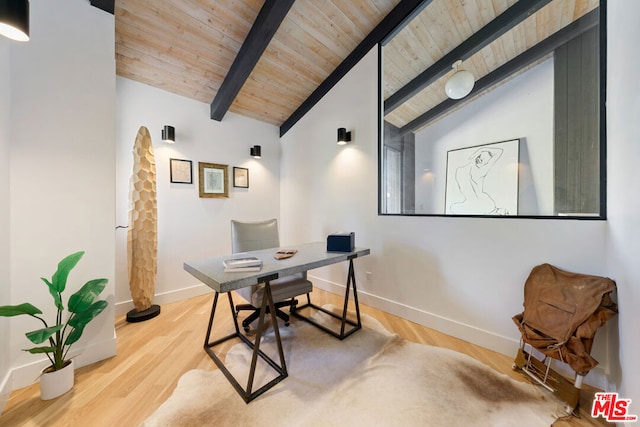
[
  {"x": 240, "y": 177},
  {"x": 180, "y": 171},
  {"x": 213, "y": 180}
]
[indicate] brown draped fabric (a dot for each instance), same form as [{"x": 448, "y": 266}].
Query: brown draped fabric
[{"x": 562, "y": 312}]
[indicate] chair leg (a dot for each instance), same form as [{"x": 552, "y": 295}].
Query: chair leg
[
  {"x": 281, "y": 314},
  {"x": 284, "y": 316},
  {"x": 256, "y": 312},
  {"x": 245, "y": 307},
  {"x": 253, "y": 316},
  {"x": 293, "y": 306}
]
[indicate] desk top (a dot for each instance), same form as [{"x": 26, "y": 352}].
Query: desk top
[{"x": 210, "y": 271}]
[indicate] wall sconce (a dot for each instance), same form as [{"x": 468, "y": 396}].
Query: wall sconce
[
  {"x": 169, "y": 134},
  {"x": 14, "y": 19},
  {"x": 343, "y": 136},
  {"x": 460, "y": 84},
  {"x": 256, "y": 151}
]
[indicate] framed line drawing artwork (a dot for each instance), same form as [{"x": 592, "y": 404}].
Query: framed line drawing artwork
[
  {"x": 483, "y": 179},
  {"x": 180, "y": 171},
  {"x": 240, "y": 177},
  {"x": 213, "y": 180}
]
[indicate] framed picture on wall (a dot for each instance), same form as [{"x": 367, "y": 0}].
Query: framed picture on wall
[
  {"x": 180, "y": 171},
  {"x": 213, "y": 180},
  {"x": 240, "y": 177},
  {"x": 483, "y": 179}
]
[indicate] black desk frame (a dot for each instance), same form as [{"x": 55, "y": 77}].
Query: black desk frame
[
  {"x": 246, "y": 392},
  {"x": 210, "y": 272},
  {"x": 351, "y": 280}
]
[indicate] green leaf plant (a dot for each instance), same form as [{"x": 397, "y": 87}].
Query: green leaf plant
[{"x": 82, "y": 308}]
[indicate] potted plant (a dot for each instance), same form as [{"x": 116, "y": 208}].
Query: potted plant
[{"x": 68, "y": 327}]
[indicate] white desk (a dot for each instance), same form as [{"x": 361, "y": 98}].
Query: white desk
[{"x": 309, "y": 256}]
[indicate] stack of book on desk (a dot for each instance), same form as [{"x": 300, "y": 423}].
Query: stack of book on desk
[{"x": 242, "y": 265}]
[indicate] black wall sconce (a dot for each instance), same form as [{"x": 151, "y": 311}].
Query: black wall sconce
[
  {"x": 14, "y": 19},
  {"x": 256, "y": 151},
  {"x": 169, "y": 134},
  {"x": 343, "y": 136}
]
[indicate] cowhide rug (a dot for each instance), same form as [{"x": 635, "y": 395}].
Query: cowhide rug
[{"x": 372, "y": 378}]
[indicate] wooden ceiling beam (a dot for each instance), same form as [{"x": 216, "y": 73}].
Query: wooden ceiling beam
[
  {"x": 265, "y": 26},
  {"x": 518, "y": 63},
  {"x": 106, "y": 5},
  {"x": 401, "y": 13},
  {"x": 490, "y": 32}
]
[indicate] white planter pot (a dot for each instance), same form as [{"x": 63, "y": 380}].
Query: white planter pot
[{"x": 56, "y": 383}]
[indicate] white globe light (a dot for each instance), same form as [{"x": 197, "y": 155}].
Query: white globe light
[{"x": 459, "y": 85}]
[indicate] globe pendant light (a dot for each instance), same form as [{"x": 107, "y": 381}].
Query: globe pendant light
[{"x": 460, "y": 84}]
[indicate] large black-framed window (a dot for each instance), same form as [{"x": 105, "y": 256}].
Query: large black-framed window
[{"x": 577, "y": 163}]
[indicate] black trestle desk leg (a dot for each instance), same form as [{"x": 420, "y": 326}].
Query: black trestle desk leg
[
  {"x": 267, "y": 300},
  {"x": 234, "y": 313},
  {"x": 351, "y": 281},
  {"x": 246, "y": 393}
]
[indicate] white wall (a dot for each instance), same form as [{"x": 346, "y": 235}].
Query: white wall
[
  {"x": 623, "y": 152},
  {"x": 190, "y": 227},
  {"x": 5, "y": 289},
  {"x": 62, "y": 169},
  {"x": 518, "y": 109},
  {"x": 462, "y": 276}
]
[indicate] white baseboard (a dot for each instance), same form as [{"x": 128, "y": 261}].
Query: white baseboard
[
  {"x": 492, "y": 341},
  {"x": 167, "y": 297},
  {"x": 25, "y": 375},
  {"x": 5, "y": 391}
]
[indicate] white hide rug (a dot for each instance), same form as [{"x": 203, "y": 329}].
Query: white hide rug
[{"x": 372, "y": 378}]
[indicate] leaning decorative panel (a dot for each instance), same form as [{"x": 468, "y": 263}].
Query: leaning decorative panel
[{"x": 483, "y": 180}]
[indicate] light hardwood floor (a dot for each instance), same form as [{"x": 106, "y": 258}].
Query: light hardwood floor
[{"x": 152, "y": 355}]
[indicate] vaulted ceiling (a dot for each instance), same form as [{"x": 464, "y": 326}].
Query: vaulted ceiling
[{"x": 206, "y": 49}]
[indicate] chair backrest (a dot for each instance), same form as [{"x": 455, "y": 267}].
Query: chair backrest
[{"x": 253, "y": 236}]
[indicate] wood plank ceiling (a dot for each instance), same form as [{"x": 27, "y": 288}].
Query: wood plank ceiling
[
  {"x": 188, "y": 46},
  {"x": 446, "y": 24}
]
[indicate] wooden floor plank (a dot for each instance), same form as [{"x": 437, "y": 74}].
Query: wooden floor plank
[{"x": 153, "y": 355}]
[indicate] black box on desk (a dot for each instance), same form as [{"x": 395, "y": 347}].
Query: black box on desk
[{"x": 341, "y": 242}]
